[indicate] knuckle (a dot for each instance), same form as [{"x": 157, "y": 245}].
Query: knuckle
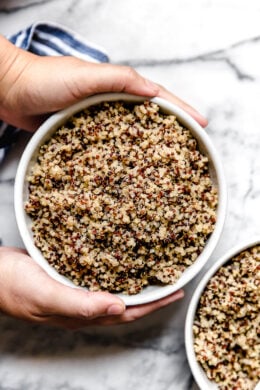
[
  {"x": 130, "y": 73},
  {"x": 86, "y": 312}
]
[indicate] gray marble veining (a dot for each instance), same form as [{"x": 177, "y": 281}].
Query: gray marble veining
[{"x": 208, "y": 53}]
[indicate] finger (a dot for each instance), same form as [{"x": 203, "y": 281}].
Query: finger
[
  {"x": 164, "y": 93},
  {"x": 93, "y": 78},
  {"x": 116, "y": 78},
  {"x": 13, "y": 249},
  {"x": 75, "y": 303},
  {"x": 133, "y": 313},
  {"x": 136, "y": 312}
]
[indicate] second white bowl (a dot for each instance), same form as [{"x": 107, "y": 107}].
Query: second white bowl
[{"x": 199, "y": 374}]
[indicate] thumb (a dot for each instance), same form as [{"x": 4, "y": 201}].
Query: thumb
[
  {"x": 80, "y": 304},
  {"x": 89, "y": 79}
]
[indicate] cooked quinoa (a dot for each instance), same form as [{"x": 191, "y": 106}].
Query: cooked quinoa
[
  {"x": 121, "y": 197},
  {"x": 227, "y": 324}
]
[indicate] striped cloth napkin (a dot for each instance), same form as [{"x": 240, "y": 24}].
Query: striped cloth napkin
[{"x": 49, "y": 39}]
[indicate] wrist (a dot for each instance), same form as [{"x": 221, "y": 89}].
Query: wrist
[
  {"x": 12, "y": 63},
  {"x": 8, "y": 53}
]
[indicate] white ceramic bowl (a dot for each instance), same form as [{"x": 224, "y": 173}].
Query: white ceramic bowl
[
  {"x": 199, "y": 374},
  {"x": 45, "y": 131}
]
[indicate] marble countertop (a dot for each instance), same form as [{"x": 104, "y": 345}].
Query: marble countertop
[{"x": 208, "y": 53}]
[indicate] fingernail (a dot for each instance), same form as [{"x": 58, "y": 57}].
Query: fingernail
[
  {"x": 152, "y": 86},
  {"x": 115, "y": 309},
  {"x": 198, "y": 116}
]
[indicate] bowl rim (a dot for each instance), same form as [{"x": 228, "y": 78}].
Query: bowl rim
[
  {"x": 54, "y": 121},
  {"x": 196, "y": 369}
]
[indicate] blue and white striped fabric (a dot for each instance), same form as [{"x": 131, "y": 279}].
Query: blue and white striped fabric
[{"x": 49, "y": 39}]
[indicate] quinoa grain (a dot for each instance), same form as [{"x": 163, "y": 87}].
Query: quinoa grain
[
  {"x": 121, "y": 197},
  {"x": 227, "y": 324}
]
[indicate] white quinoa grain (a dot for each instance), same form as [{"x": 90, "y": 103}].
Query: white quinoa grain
[{"x": 121, "y": 197}]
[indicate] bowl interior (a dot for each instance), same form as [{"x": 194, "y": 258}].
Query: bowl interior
[
  {"x": 197, "y": 371},
  {"x": 45, "y": 132}
]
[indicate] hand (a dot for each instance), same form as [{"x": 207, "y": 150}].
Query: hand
[
  {"x": 28, "y": 293},
  {"x": 33, "y": 87}
]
